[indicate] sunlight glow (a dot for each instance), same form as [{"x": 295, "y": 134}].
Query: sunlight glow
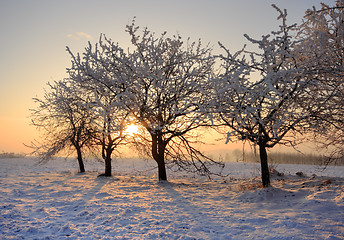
[{"x": 131, "y": 130}]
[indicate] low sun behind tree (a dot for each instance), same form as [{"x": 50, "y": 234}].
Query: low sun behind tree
[
  {"x": 169, "y": 92},
  {"x": 161, "y": 92},
  {"x": 163, "y": 84}
]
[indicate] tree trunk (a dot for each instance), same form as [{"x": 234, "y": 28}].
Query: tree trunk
[
  {"x": 79, "y": 155},
  {"x": 108, "y": 166},
  {"x": 80, "y": 161},
  {"x": 264, "y": 165},
  {"x": 106, "y": 155},
  {"x": 162, "y": 170},
  {"x": 158, "y": 152}
]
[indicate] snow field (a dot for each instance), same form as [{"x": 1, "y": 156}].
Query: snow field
[{"x": 53, "y": 201}]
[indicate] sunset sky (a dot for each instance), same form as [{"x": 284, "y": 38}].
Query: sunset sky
[{"x": 35, "y": 33}]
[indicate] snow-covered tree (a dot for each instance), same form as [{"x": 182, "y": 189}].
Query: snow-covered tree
[
  {"x": 95, "y": 73},
  {"x": 322, "y": 47},
  {"x": 162, "y": 83},
  {"x": 65, "y": 124},
  {"x": 258, "y": 94},
  {"x": 169, "y": 89}
]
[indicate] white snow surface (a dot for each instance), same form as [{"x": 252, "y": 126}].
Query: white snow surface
[{"x": 53, "y": 201}]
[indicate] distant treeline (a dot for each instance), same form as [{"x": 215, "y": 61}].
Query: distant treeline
[
  {"x": 11, "y": 155},
  {"x": 277, "y": 157}
]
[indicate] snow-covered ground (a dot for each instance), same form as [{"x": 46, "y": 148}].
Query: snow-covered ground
[{"x": 53, "y": 201}]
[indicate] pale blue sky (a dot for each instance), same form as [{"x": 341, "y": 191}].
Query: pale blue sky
[{"x": 35, "y": 33}]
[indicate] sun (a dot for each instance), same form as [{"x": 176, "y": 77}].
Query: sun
[{"x": 132, "y": 129}]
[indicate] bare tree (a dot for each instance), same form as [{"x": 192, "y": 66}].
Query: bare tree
[
  {"x": 258, "y": 95},
  {"x": 64, "y": 122}
]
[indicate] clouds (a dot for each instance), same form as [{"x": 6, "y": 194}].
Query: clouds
[{"x": 79, "y": 36}]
